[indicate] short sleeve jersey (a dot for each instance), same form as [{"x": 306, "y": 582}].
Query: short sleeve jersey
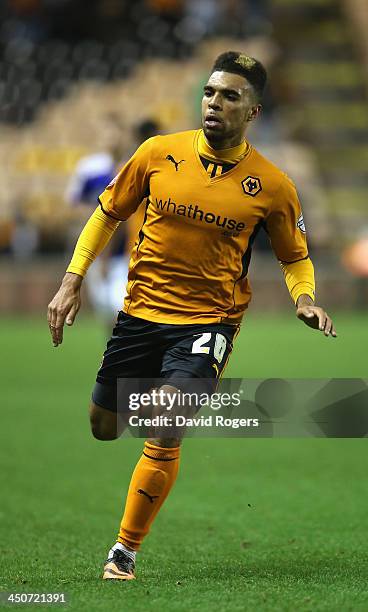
[{"x": 190, "y": 261}]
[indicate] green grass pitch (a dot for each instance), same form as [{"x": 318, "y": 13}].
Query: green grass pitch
[{"x": 262, "y": 524}]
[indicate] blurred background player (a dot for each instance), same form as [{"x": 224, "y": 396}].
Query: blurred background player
[
  {"x": 142, "y": 131},
  {"x": 105, "y": 285},
  {"x": 92, "y": 173}
]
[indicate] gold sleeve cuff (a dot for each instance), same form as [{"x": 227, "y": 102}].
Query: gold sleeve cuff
[
  {"x": 299, "y": 278},
  {"x": 92, "y": 240}
]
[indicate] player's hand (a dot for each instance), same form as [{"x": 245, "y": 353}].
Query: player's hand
[
  {"x": 64, "y": 307},
  {"x": 316, "y": 317}
]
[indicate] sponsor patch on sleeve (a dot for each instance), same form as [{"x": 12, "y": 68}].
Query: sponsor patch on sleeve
[{"x": 300, "y": 223}]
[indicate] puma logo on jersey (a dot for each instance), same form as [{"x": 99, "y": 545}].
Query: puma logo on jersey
[{"x": 172, "y": 160}]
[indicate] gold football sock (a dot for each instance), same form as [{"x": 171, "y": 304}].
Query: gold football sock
[{"x": 151, "y": 481}]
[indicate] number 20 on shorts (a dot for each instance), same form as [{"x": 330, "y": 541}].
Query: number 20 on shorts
[{"x": 200, "y": 345}]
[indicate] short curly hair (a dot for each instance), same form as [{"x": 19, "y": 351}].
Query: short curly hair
[{"x": 244, "y": 65}]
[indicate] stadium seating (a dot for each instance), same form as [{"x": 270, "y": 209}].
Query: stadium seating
[
  {"x": 53, "y": 90},
  {"x": 330, "y": 100}
]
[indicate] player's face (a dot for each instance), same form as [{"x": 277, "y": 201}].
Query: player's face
[{"x": 228, "y": 105}]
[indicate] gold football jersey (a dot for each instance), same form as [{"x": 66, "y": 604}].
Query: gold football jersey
[{"x": 190, "y": 261}]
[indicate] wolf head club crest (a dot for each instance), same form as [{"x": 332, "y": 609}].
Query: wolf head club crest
[{"x": 251, "y": 186}]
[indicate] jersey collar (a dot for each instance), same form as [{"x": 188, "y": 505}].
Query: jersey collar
[{"x": 232, "y": 155}]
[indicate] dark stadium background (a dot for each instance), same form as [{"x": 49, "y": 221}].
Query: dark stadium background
[{"x": 269, "y": 524}]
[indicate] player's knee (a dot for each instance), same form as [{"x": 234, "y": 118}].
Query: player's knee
[
  {"x": 103, "y": 423},
  {"x": 172, "y": 405},
  {"x": 100, "y": 432},
  {"x": 166, "y": 437}
]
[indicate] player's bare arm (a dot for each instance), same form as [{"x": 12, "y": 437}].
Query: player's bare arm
[
  {"x": 64, "y": 307},
  {"x": 314, "y": 316}
]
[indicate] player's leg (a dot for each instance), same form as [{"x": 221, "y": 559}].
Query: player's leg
[
  {"x": 104, "y": 423},
  {"x": 133, "y": 352},
  {"x": 192, "y": 352},
  {"x": 151, "y": 483},
  {"x": 156, "y": 470}
]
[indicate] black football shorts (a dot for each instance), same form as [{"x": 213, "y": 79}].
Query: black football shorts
[{"x": 140, "y": 349}]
